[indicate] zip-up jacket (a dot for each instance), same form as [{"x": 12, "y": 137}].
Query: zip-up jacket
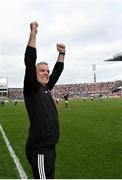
[{"x": 42, "y": 112}]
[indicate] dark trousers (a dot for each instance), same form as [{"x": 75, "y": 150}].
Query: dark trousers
[{"x": 42, "y": 162}]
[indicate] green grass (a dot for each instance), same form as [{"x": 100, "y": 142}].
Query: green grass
[{"x": 90, "y": 145}]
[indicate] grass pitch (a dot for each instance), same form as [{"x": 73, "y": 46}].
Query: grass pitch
[{"x": 90, "y": 145}]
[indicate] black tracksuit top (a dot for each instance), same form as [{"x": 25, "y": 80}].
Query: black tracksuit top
[{"x": 42, "y": 112}]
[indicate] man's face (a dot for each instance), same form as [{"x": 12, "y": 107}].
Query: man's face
[{"x": 42, "y": 71}]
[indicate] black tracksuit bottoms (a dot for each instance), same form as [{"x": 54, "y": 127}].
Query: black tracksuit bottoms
[{"x": 42, "y": 162}]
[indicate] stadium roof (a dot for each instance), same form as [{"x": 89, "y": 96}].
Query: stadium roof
[{"x": 117, "y": 57}]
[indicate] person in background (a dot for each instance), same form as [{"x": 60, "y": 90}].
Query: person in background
[{"x": 66, "y": 96}]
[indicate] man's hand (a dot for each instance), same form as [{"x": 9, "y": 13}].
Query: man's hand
[
  {"x": 33, "y": 26},
  {"x": 32, "y": 37},
  {"x": 61, "y": 48}
]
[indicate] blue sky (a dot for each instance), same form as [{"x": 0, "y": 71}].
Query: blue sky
[{"x": 90, "y": 29}]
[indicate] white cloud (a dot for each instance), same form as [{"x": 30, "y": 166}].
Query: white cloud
[{"x": 91, "y": 30}]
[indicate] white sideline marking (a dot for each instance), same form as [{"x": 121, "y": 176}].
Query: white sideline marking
[{"x": 13, "y": 155}]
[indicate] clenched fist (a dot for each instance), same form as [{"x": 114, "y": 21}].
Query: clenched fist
[
  {"x": 61, "y": 48},
  {"x": 33, "y": 26}
]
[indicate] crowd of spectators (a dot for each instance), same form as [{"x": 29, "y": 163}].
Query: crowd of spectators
[
  {"x": 76, "y": 90},
  {"x": 15, "y": 93},
  {"x": 87, "y": 89}
]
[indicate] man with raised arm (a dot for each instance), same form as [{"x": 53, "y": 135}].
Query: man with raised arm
[{"x": 41, "y": 109}]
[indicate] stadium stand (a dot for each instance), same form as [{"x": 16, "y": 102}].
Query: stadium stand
[
  {"x": 76, "y": 90},
  {"x": 87, "y": 89},
  {"x": 3, "y": 89},
  {"x": 15, "y": 93}
]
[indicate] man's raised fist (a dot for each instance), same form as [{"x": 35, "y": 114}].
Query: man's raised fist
[{"x": 33, "y": 26}]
